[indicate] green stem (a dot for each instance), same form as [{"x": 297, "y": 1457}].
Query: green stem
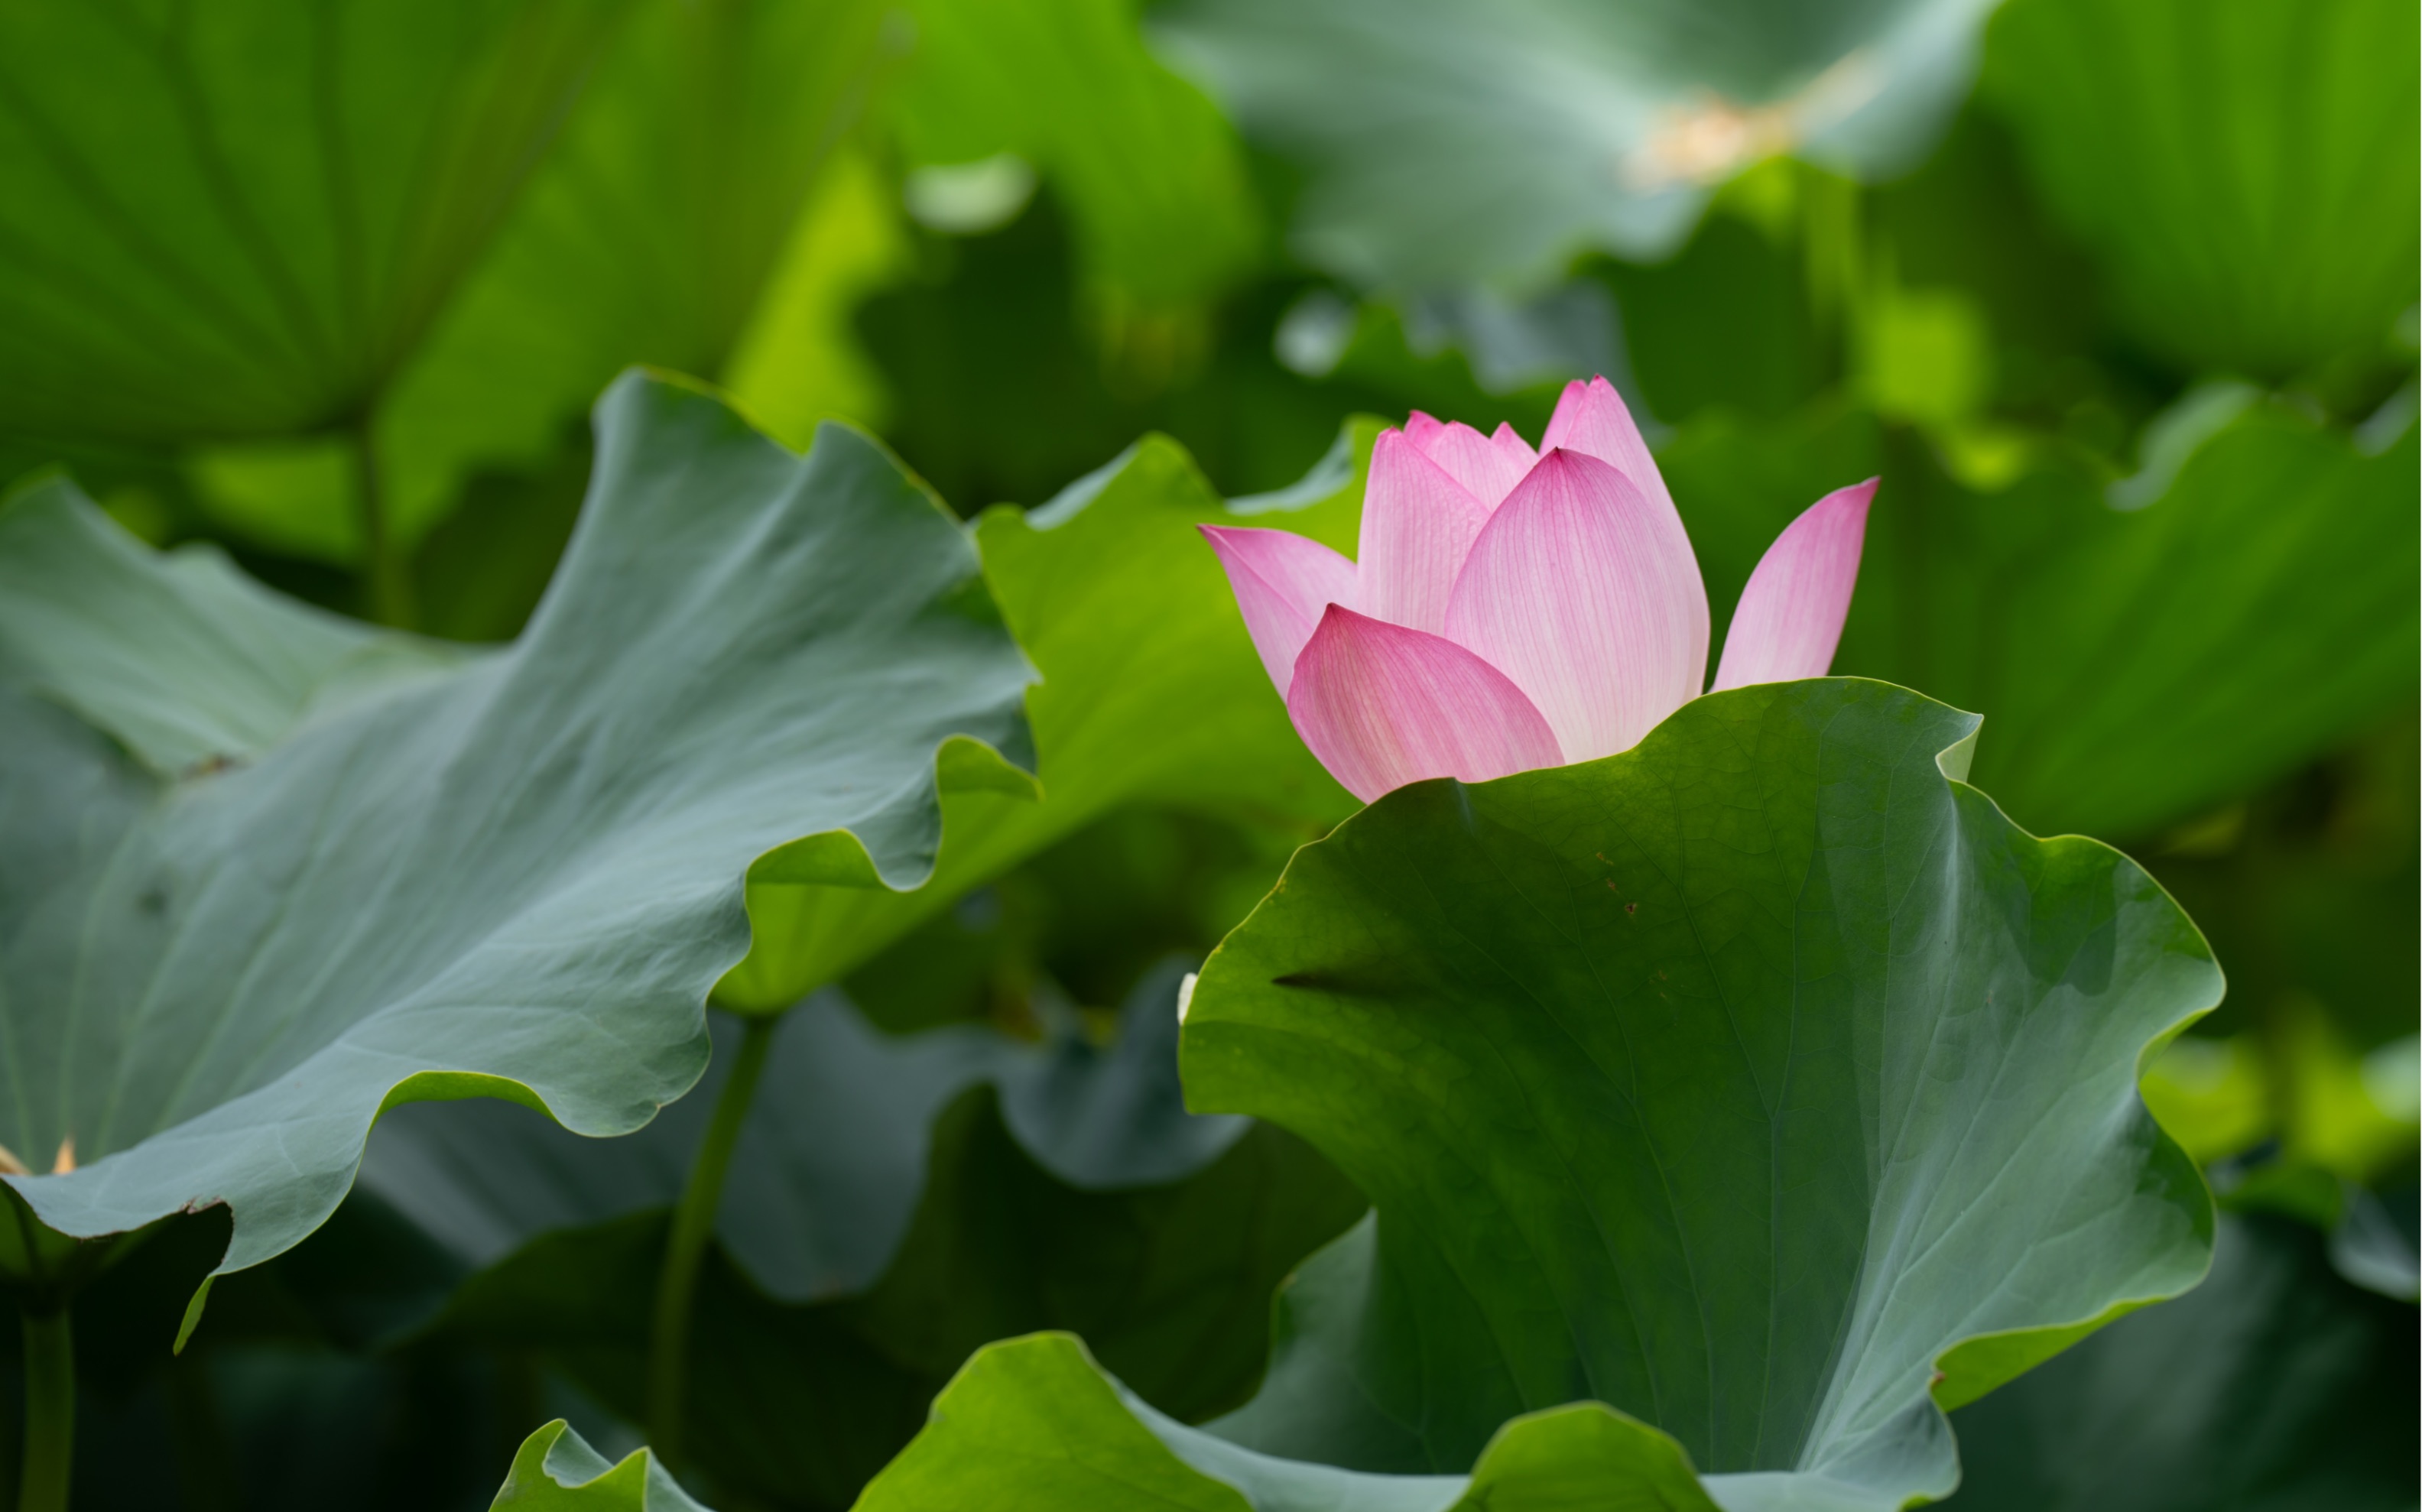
[
  {"x": 49, "y": 1450},
  {"x": 693, "y": 1224},
  {"x": 387, "y": 585}
]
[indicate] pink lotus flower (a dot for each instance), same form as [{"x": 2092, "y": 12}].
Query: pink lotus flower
[{"x": 1509, "y": 610}]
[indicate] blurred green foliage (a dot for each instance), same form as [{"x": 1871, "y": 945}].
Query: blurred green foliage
[{"x": 2128, "y": 333}]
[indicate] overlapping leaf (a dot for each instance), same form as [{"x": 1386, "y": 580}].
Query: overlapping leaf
[
  {"x": 2259, "y": 604},
  {"x": 1763, "y": 1083},
  {"x": 648, "y": 235},
  {"x": 1150, "y": 693},
  {"x": 516, "y": 877},
  {"x": 1066, "y": 1195},
  {"x": 827, "y": 1170}
]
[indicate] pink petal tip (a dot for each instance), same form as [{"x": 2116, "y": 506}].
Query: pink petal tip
[
  {"x": 1282, "y": 581},
  {"x": 1791, "y": 613},
  {"x": 1588, "y": 596}
]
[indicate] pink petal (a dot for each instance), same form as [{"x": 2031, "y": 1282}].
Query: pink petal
[
  {"x": 1417, "y": 523},
  {"x": 1382, "y": 706},
  {"x": 1282, "y": 581},
  {"x": 1487, "y": 466},
  {"x": 1587, "y": 595},
  {"x": 1791, "y": 613},
  {"x": 1592, "y": 418}
]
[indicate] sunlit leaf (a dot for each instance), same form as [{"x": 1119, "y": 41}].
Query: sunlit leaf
[
  {"x": 1150, "y": 692},
  {"x": 555, "y": 1470}
]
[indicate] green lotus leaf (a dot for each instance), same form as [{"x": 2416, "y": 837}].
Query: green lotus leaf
[
  {"x": 1034, "y": 1422},
  {"x": 2259, "y": 603},
  {"x": 2245, "y": 174},
  {"x": 1152, "y": 175},
  {"x": 1762, "y": 1084},
  {"x": 1449, "y": 146},
  {"x": 181, "y": 657},
  {"x": 1151, "y": 693},
  {"x": 555, "y": 1470},
  {"x": 648, "y": 235},
  {"x": 516, "y": 877},
  {"x": 235, "y": 221},
  {"x": 2275, "y": 1384}
]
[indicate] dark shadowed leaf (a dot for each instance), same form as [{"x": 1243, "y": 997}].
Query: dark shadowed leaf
[{"x": 2273, "y": 1385}]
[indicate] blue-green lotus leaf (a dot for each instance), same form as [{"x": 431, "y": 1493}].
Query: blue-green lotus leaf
[{"x": 515, "y": 873}]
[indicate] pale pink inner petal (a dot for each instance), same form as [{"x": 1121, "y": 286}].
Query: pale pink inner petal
[
  {"x": 1588, "y": 596},
  {"x": 1791, "y": 613},
  {"x": 1417, "y": 523},
  {"x": 1591, "y": 418},
  {"x": 1382, "y": 705},
  {"x": 1487, "y": 466},
  {"x": 1282, "y": 581}
]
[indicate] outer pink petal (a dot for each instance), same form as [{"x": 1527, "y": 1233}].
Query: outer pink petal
[
  {"x": 1791, "y": 613},
  {"x": 1487, "y": 466},
  {"x": 1417, "y": 523},
  {"x": 1282, "y": 581},
  {"x": 1591, "y": 418},
  {"x": 1587, "y": 595},
  {"x": 1382, "y": 706}
]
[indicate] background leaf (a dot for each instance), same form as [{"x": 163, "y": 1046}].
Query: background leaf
[
  {"x": 2244, "y": 173},
  {"x": 1449, "y": 147},
  {"x": 2251, "y": 603},
  {"x": 237, "y": 221}
]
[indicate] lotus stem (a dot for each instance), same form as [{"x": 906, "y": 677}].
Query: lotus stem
[
  {"x": 693, "y": 1225},
  {"x": 387, "y": 588},
  {"x": 48, "y": 1453}
]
